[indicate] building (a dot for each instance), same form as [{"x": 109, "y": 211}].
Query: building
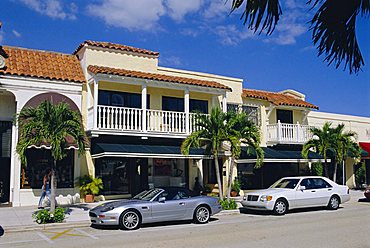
[{"x": 136, "y": 115}]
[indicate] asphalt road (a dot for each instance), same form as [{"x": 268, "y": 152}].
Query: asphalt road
[{"x": 348, "y": 227}]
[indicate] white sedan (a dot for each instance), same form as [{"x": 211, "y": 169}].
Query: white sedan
[{"x": 297, "y": 192}]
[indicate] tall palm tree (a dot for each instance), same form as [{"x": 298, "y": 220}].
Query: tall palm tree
[
  {"x": 333, "y": 26},
  {"x": 321, "y": 143},
  {"x": 344, "y": 146},
  {"x": 246, "y": 133},
  {"x": 211, "y": 134},
  {"x": 49, "y": 123}
]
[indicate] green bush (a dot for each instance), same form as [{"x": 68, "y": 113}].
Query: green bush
[
  {"x": 228, "y": 204},
  {"x": 235, "y": 186},
  {"x": 90, "y": 185},
  {"x": 360, "y": 171},
  {"x": 44, "y": 216},
  {"x": 317, "y": 169}
]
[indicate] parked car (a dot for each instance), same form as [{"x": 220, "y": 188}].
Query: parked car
[
  {"x": 156, "y": 205},
  {"x": 367, "y": 193},
  {"x": 297, "y": 192}
]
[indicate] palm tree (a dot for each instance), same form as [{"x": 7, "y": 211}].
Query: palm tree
[
  {"x": 321, "y": 143},
  {"x": 245, "y": 132},
  {"x": 344, "y": 146},
  {"x": 211, "y": 133},
  {"x": 49, "y": 123},
  {"x": 333, "y": 26}
]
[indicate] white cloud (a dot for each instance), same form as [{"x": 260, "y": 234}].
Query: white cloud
[
  {"x": 16, "y": 33},
  {"x": 132, "y": 15},
  {"x": 217, "y": 9},
  {"x": 171, "y": 61},
  {"x": 189, "y": 32},
  {"x": 231, "y": 35},
  {"x": 55, "y": 9},
  {"x": 178, "y": 9}
]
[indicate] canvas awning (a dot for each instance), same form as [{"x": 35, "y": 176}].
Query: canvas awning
[
  {"x": 365, "y": 149},
  {"x": 100, "y": 150}
]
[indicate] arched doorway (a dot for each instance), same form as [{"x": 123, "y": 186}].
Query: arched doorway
[{"x": 7, "y": 114}]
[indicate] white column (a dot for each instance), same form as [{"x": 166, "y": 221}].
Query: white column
[
  {"x": 13, "y": 159},
  {"x": 298, "y": 132},
  {"x": 88, "y": 96},
  {"x": 279, "y": 131},
  {"x": 224, "y": 103},
  {"x": 15, "y": 184},
  {"x": 143, "y": 105},
  {"x": 96, "y": 93},
  {"x": 187, "y": 107}
]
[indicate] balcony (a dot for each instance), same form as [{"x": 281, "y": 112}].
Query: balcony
[
  {"x": 283, "y": 133},
  {"x": 139, "y": 121}
]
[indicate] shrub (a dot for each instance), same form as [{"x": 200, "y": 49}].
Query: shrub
[
  {"x": 360, "y": 171},
  {"x": 44, "y": 216},
  {"x": 90, "y": 185},
  {"x": 228, "y": 204},
  {"x": 317, "y": 169},
  {"x": 235, "y": 186}
]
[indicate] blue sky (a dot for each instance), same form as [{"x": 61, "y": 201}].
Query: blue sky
[{"x": 198, "y": 35}]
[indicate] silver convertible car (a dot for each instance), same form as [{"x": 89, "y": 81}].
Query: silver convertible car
[
  {"x": 156, "y": 205},
  {"x": 297, "y": 192}
]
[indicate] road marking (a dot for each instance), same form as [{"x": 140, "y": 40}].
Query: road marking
[
  {"x": 45, "y": 238},
  {"x": 85, "y": 233},
  {"x": 65, "y": 233}
]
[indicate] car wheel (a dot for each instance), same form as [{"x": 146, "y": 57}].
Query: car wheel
[
  {"x": 130, "y": 220},
  {"x": 334, "y": 203},
  {"x": 202, "y": 215},
  {"x": 280, "y": 207}
]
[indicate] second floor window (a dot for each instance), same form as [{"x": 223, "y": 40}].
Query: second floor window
[
  {"x": 284, "y": 116},
  {"x": 177, "y": 104},
  {"x": 121, "y": 99},
  {"x": 250, "y": 110}
]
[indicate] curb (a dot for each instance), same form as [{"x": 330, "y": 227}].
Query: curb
[
  {"x": 228, "y": 212},
  {"x": 42, "y": 227}
]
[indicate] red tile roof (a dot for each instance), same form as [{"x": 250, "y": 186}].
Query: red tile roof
[
  {"x": 41, "y": 64},
  {"x": 114, "y": 46},
  {"x": 277, "y": 98},
  {"x": 154, "y": 76}
]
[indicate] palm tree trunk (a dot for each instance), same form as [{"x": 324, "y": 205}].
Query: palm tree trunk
[
  {"x": 52, "y": 186},
  {"x": 220, "y": 189},
  {"x": 335, "y": 172},
  {"x": 326, "y": 173},
  {"x": 231, "y": 170}
]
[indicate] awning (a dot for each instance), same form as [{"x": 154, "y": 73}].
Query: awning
[
  {"x": 279, "y": 156},
  {"x": 365, "y": 149},
  {"x": 100, "y": 150}
]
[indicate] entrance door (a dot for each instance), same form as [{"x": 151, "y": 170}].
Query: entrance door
[{"x": 5, "y": 152}]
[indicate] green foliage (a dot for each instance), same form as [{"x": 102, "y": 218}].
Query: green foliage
[
  {"x": 90, "y": 185},
  {"x": 228, "y": 204},
  {"x": 360, "y": 173},
  {"x": 317, "y": 169},
  {"x": 44, "y": 216},
  {"x": 235, "y": 186}
]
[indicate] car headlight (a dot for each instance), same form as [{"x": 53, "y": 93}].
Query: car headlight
[
  {"x": 106, "y": 209},
  {"x": 266, "y": 198}
]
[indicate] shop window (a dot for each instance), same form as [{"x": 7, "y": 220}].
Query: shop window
[
  {"x": 167, "y": 172},
  {"x": 38, "y": 161},
  {"x": 210, "y": 171}
]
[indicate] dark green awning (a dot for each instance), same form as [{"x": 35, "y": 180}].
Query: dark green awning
[{"x": 128, "y": 150}]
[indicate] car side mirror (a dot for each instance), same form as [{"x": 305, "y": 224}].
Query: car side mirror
[
  {"x": 162, "y": 199},
  {"x": 301, "y": 188}
]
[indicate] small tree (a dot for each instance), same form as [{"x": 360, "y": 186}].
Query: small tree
[{"x": 51, "y": 124}]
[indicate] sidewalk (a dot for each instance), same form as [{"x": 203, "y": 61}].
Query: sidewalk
[{"x": 18, "y": 219}]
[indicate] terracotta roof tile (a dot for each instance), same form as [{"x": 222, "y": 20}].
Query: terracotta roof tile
[
  {"x": 41, "y": 64},
  {"x": 154, "y": 76},
  {"x": 114, "y": 46},
  {"x": 277, "y": 98}
]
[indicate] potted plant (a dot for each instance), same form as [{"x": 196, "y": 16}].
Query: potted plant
[
  {"x": 90, "y": 187},
  {"x": 235, "y": 188}
]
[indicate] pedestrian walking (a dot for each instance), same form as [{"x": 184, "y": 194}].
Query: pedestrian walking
[{"x": 45, "y": 188}]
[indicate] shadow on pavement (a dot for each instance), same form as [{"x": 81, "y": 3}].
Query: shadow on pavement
[
  {"x": 168, "y": 223},
  {"x": 270, "y": 213},
  {"x": 364, "y": 200},
  {"x": 1, "y": 231}
]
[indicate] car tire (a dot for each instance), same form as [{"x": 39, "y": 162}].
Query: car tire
[
  {"x": 130, "y": 220},
  {"x": 280, "y": 207},
  {"x": 334, "y": 203},
  {"x": 202, "y": 214}
]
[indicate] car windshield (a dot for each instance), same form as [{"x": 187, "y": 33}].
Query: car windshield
[
  {"x": 286, "y": 183},
  {"x": 147, "y": 195}
]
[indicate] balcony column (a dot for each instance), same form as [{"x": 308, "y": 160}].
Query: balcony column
[
  {"x": 143, "y": 106},
  {"x": 298, "y": 132},
  {"x": 224, "y": 103},
  {"x": 96, "y": 94},
  {"x": 187, "y": 107},
  {"x": 279, "y": 131}
]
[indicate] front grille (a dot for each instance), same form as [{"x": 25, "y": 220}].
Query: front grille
[
  {"x": 252, "y": 198},
  {"x": 91, "y": 214}
]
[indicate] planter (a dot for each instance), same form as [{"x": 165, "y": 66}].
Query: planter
[
  {"x": 89, "y": 198},
  {"x": 233, "y": 193}
]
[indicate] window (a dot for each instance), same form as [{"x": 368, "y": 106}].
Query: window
[
  {"x": 286, "y": 184},
  {"x": 121, "y": 99},
  {"x": 252, "y": 113},
  {"x": 39, "y": 160},
  {"x": 284, "y": 116},
  {"x": 232, "y": 107},
  {"x": 172, "y": 104},
  {"x": 319, "y": 183},
  {"x": 5, "y": 138},
  {"x": 198, "y": 106}
]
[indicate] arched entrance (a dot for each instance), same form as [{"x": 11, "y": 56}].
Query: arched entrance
[{"x": 7, "y": 114}]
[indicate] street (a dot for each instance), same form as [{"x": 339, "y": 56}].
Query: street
[{"x": 347, "y": 227}]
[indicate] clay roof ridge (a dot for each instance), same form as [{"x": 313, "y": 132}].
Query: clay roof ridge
[{"x": 37, "y": 50}]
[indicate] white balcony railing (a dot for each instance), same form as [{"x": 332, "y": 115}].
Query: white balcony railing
[
  {"x": 282, "y": 133},
  {"x": 132, "y": 119}
]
